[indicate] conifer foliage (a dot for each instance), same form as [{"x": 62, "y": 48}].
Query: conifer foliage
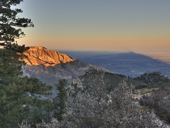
[
  {"x": 10, "y": 23},
  {"x": 19, "y": 95},
  {"x": 61, "y": 100}
]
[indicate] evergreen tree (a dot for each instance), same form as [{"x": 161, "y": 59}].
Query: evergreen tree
[
  {"x": 10, "y": 24},
  {"x": 19, "y": 95},
  {"x": 61, "y": 99}
]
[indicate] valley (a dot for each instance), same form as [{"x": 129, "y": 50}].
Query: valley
[
  {"x": 129, "y": 64},
  {"x": 86, "y": 90},
  {"x": 162, "y": 56},
  {"x": 86, "y": 64}
]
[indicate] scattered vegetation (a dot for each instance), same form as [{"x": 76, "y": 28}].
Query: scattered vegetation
[
  {"x": 18, "y": 100},
  {"x": 160, "y": 102},
  {"x": 154, "y": 79},
  {"x": 23, "y": 98},
  {"x": 90, "y": 105},
  {"x": 97, "y": 99}
]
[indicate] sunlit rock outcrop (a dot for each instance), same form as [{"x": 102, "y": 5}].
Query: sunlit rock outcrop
[
  {"x": 39, "y": 55},
  {"x": 50, "y": 66}
]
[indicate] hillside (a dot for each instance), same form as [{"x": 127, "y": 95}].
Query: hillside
[
  {"x": 52, "y": 74},
  {"x": 108, "y": 80},
  {"x": 50, "y": 66},
  {"x": 102, "y": 99},
  {"x": 154, "y": 78},
  {"x": 96, "y": 98}
]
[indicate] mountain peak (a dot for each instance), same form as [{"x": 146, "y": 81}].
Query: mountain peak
[{"x": 38, "y": 55}]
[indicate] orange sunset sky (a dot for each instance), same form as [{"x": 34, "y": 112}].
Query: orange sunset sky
[{"x": 98, "y": 25}]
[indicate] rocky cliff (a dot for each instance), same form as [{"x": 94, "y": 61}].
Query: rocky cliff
[
  {"x": 50, "y": 66},
  {"x": 42, "y": 56}
]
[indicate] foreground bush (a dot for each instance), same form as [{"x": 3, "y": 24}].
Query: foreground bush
[
  {"x": 160, "y": 102},
  {"x": 96, "y": 108}
]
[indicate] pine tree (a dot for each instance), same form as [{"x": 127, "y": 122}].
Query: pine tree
[
  {"x": 10, "y": 23},
  {"x": 18, "y": 94},
  {"x": 61, "y": 99}
]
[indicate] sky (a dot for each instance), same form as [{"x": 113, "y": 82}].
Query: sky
[{"x": 98, "y": 25}]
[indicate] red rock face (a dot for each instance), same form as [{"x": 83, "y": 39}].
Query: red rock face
[{"x": 42, "y": 56}]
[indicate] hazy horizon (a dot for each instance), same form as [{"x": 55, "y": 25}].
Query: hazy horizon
[
  {"x": 161, "y": 56},
  {"x": 113, "y": 25}
]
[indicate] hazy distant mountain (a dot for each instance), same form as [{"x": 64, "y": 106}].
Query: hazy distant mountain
[
  {"x": 162, "y": 56},
  {"x": 130, "y": 64}
]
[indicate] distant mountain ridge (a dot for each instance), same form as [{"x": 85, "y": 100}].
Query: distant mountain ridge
[
  {"x": 129, "y": 64},
  {"x": 39, "y": 55},
  {"x": 50, "y": 66}
]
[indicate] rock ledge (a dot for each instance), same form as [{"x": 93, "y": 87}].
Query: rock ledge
[{"x": 39, "y": 55}]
